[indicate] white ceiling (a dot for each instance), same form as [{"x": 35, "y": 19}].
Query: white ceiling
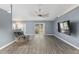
[{"x": 23, "y": 12}]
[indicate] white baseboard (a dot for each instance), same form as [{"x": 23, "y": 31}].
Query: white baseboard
[
  {"x": 29, "y": 34},
  {"x": 45, "y": 34},
  {"x": 67, "y": 42},
  {"x": 7, "y": 45},
  {"x": 36, "y": 34},
  {"x": 48, "y": 34}
]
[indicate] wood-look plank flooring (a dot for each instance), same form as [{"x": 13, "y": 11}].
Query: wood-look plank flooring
[{"x": 40, "y": 45}]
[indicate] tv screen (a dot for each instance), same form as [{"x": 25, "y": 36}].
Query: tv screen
[{"x": 64, "y": 27}]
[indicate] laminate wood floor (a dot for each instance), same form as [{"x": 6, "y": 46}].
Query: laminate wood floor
[{"x": 40, "y": 45}]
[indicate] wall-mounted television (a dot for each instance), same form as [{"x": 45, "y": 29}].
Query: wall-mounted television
[{"x": 64, "y": 27}]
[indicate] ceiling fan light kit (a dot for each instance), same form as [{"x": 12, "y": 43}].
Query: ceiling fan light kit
[{"x": 41, "y": 12}]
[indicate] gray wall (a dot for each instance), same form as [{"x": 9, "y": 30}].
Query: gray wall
[
  {"x": 73, "y": 16},
  {"x": 30, "y": 26},
  {"x": 5, "y": 28}
]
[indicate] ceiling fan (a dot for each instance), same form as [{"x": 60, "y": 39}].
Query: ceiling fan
[{"x": 41, "y": 12}]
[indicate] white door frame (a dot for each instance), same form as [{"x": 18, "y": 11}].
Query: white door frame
[{"x": 43, "y": 27}]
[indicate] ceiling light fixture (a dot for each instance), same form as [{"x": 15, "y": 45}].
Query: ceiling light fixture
[{"x": 41, "y": 12}]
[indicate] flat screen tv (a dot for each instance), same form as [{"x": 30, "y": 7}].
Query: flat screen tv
[{"x": 64, "y": 27}]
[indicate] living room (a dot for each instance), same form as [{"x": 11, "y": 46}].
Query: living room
[{"x": 42, "y": 28}]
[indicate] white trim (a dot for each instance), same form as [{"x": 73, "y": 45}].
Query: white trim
[
  {"x": 45, "y": 34},
  {"x": 29, "y": 34},
  {"x": 60, "y": 39},
  {"x": 43, "y": 26},
  {"x": 36, "y": 34},
  {"x": 49, "y": 34},
  {"x": 67, "y": 42},
  {"x": 7, "y": 45}
]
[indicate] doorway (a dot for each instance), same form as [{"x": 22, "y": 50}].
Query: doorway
[
  {"x": 19, "y": 26},
  {"x": 40, "y": 28}
]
